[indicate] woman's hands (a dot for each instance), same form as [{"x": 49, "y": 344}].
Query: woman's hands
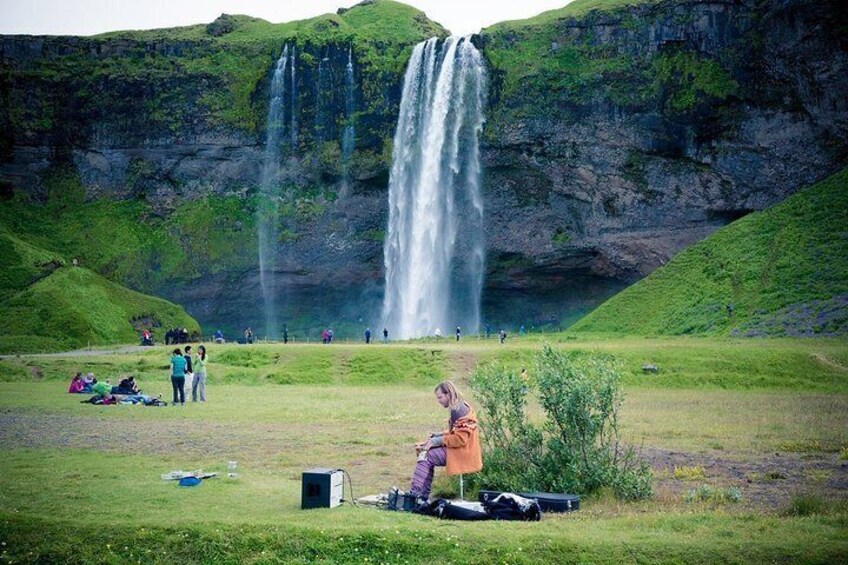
[{"x": 423, "y": 446}]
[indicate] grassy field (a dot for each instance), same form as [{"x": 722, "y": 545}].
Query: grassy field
[{"x": 81, "y": 483}]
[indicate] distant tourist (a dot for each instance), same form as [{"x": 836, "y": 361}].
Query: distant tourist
[
  {"x": 248, "y": 335},
  {"x": 127, "y": 386},
  {"x": 219, "y": 337},
  {"x": 367, "y": 335},
  {"x": 324, "y": 338},
  {"x": 438, "y": 332},
  {"x": 458, "y": 333},
  {"x": 88, "y": 382},
  {"x": 330, "y": 335},
  {"x": 385, "y": 334},
  {"x": 178, "y": 374},
  {"x": 522, "y": 330},
  {"x": 198, "y": 383},
  {"x": 77, "y": 385},
  {"x": 502, "y": 336},
  {"x": 285, "y": 334}
]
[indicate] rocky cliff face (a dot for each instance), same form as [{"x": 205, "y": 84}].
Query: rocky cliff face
[
  {"x": 613, "y": 141},
  {"x": 631, "y": 134}
]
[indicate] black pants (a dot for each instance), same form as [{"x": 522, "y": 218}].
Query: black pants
[{"x": 179, "y": 387}]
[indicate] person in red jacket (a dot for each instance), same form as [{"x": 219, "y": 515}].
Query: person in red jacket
[{"x": 457, "y": 449}]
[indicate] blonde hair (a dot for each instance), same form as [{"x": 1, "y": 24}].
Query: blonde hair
[{"x": 449, "y": 389}]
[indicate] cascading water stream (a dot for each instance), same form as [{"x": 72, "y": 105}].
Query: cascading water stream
[
  {"x": 349, "y": 135},
  {"x": 434, "y": 250},
  {"x": 293, "y": 89},
  {"x": 266, "y": 220}
]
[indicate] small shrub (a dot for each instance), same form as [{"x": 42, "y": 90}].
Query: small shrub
[
  {"x": 685, "y": 473},
  {"x": 843, "y": 454},
  {"x": 576, "y": 448},
  {"x": 716, "y": 495},
  {"x": 805, "y": 505}
]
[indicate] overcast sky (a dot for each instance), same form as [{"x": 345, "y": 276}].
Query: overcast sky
[{"x": 89, "y": 17}]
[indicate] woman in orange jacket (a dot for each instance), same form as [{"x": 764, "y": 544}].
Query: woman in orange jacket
[{"x": 457, "y": 449}]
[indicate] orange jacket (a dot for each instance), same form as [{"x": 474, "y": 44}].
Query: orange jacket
[{"x": 463, "y": 446}]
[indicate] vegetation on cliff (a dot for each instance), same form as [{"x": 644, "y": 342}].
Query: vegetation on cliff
[
  {"x": 202, "y": 74},
  {"x": 784, "y": 271},
  {"x": 589, "y": 53}
]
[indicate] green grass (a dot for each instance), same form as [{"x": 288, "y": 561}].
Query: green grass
[
  {"x": 780, "y": 269},
  {"x": 361, "y": 408}
]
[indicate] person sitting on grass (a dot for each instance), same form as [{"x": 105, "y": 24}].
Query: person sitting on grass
[
  {"x": 101, "y": 388},
  {"x": 88, "y": 383},
  {"x": 128, "y": 386},
  {"x": 76, "y": 385},
  {"x": 457, "y": 449}
]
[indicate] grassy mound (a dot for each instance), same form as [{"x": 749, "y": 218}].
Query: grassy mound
[
  {"x": 47, "y": 306},
  {"x": 784, "y": 271}
]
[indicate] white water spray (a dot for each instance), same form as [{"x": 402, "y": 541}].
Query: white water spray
[{"x": 434, "y": 250}]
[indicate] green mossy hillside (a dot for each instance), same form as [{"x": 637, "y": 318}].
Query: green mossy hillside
[
  {"x": 46, "y": 305},
  {"x": 74, "y": 307},
  {"x": 784, "y": 271}
]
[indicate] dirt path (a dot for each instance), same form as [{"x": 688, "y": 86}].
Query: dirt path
[
  {"x": 82, "y": 352},
  {"x": 768, "y": 480}
]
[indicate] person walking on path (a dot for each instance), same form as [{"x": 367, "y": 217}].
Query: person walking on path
[
  {"x": 198, "y": 383},
  {"x": 457, "y": 449},
  {"x": 178, "y": 371}
]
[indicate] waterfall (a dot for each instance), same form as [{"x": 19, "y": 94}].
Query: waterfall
[
  {"x": 321, "y": 87},
  {"x": 267, "y": 210},
  {"x": 434, "y": 251},
  {"x": 293, "y": 88},
  {"x": 349, "y": 135}
]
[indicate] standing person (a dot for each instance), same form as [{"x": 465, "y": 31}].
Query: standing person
[
  {"x": 458, "y": 333},
  {"x": 189, "y": 368},
  {"x": 330, "y": 335},
  {"x": 502, "y": 335},
  {"x": 385, "y": 334},
  {"x": 178, "y": 370},
  {"x": 367, "y": 335},
  {"x": 285, "y": 334},
  {"x": 198, "y": 383},
  {"x": 457, "y": 449}
]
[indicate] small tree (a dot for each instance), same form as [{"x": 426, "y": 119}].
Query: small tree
[{"x": 576, "y": 447}]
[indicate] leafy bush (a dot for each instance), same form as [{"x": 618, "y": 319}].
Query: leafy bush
[
  {"x": 718, "y": 495},
  {"x": 805, "y": 505},
  {"x": 576, "y": 448}
]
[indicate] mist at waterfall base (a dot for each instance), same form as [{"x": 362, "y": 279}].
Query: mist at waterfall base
[{"x": 434, "y": 248}]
